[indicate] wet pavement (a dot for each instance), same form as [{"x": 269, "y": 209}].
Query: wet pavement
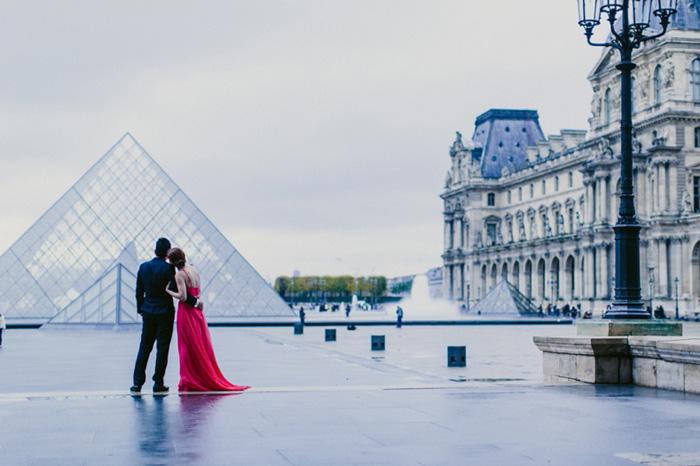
[{"x": 64, "y": 401}]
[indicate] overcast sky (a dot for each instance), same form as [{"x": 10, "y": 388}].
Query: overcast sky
[{"x": 314, "y": 134}]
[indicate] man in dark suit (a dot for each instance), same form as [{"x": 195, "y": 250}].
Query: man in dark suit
[{"x": 156, "y": 307}]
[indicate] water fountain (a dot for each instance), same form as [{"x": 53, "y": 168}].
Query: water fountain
[{"x": 421, "y": 306}]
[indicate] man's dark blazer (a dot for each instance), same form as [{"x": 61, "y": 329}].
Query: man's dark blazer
[{"x": 151, "y": 280}]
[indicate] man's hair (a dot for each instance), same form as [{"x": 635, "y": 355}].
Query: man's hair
[{"x": 162, "y": 247}]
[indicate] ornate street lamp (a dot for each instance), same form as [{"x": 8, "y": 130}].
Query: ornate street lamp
[{"x": 629, "y": 27}]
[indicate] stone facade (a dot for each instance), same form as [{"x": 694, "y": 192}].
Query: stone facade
[{"x": 539, "y": 211}]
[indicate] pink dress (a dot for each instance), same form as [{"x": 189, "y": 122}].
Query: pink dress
[{"x": 198, "y": 368}]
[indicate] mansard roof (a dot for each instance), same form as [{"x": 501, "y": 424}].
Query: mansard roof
[
  {"x": 503, "y": 136},
  {"x": 687, "y": 16}
]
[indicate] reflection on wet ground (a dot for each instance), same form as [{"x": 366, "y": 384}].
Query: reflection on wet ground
[{"x": 329, "y": 403}]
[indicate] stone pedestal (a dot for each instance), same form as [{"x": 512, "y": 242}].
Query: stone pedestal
[
  {"x": 593, "y": 360},
  {"x": 628, "y": 327},
  {"x": 669, "y": 363}
]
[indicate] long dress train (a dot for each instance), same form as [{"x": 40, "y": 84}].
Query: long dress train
[{"x": 198, "y": 368}]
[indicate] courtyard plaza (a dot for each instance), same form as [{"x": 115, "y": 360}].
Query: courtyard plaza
[{"x": 64, "y": 400}]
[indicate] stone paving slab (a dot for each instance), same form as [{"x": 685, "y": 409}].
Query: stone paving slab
[{"x": 64, "y": 401}]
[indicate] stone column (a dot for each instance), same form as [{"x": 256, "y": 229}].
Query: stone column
[
  {"x": 663, "y": 188},
  {"x": 662, "y": 267},
  {"x": 673, "y": 186},
  {"x": 640, "y": 187},
  {"x": 589, "y": 272},
  {"x": 588, "y": 200},
  {"x": 447, "y": 229},
  {"x": 459, "y": 232},
  {"x": 605, "y": 198},
  {"x": 604, "y": 281}
]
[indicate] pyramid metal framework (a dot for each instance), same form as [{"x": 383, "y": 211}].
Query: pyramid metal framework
[
  {"x": 504, "y": 299},
  {"x": 95, "y": 235}
]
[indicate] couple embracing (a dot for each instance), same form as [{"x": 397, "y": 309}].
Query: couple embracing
[{"x": 157, "y": 283}]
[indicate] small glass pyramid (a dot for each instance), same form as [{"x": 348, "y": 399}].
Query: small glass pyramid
[
  {"x": 98, "y": 232},
  {"x": 504, "y": 299}
]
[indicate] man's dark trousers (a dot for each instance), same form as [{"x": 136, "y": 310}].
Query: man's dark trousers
[{"x": 157, "y": 328}]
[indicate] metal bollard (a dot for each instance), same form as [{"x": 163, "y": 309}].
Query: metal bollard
[
  {"x": 377, "y": 342},
  {"x": 330, "y": 334},
  {"x": 298, "y": 328},
  {"x": 456, "y": 356}
]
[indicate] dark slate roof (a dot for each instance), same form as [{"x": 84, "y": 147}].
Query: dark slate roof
[
  {"x": 504, "y": 135},
  {"x": 688, "y": 15}
]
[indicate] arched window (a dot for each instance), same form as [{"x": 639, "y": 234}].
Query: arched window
[
  {"x": 504, "y": 272},
  {"x": 541, "y": 281},
  {"x": 657, "y": 85},
  {"x": 607, "y": 106},
  {"x": 516, "y": 275},
  {"x": 494, "y": 276},
  {"x": 694, "y": 79},
  {"x": 554, "y": 283},
  {"x": 482, "y": 289},
  {"x": 491, "y": 199},
  {"x": 570, "y": 278},
  {"x": 571, "y": 179}
]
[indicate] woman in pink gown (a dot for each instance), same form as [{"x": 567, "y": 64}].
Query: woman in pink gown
[{"x": 198, "y": 368}]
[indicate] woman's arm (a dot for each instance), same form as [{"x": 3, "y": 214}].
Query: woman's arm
[{"x": 181, "y": 288}]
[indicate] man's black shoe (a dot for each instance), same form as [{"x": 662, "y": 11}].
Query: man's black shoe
[
  {"x": 160, "y": 389},
  {"x": 135, "y": 389}
]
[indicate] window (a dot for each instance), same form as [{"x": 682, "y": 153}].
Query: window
[
  {"x": 571, "y": 220},
  {"x": 696, "y": 194},
  {"x": 544, "y": 187},
  {"x": 520, "y": 193},
  {"x": 491, "y": 199},
  {"x": 532, "y": 190},
  {"x": 491, "y": 234},
  {"x": 657, "y": 85},
  {"x": 509, "y": 196},
  {"x": 607, "y": 106},
  {"x": 571, "y": 179},
  {"x": 696, "y": 134},
  {"x": 556, "y": 183},
  {"x": 694, "y": 80}
]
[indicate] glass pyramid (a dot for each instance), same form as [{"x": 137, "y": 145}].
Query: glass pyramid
[
  {"x": 98, "y": 232},
  {"x": 504, "y": 299}
]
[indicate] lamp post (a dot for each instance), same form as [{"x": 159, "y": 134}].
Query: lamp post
[
  {"x": 676, "y": 282},
  {"x": 651, "y": 296},
  {"x": 629, "y": 20}
]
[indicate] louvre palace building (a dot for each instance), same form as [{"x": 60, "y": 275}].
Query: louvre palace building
[{"x": 538, "y": 211}]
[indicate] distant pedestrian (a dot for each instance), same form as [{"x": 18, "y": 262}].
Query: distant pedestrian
[
  {"x": 2, "y": 326},
  {"x": 347, "y": 310},
  {"x": 302, "y": 315},
  {"x": 399, "y": 316}
]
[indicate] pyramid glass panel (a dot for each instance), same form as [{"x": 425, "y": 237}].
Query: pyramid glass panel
[{"x": 112, "y": 217}]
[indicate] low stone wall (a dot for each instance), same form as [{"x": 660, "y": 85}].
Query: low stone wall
[{"x": 661, "y": 362}]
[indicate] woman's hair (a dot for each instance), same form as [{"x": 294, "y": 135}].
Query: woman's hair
[{"x": 176, "y": 257}]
